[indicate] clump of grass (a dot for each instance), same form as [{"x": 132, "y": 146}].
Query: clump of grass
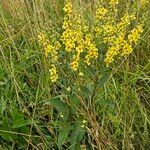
[{"x": 96, "y": 108}]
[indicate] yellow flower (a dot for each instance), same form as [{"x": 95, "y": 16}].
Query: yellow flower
[
  {"x": 98, "y": 30},
  {"x": 68, "y": 88},
  {"x": 125, "y": 21},
  {"x": 126, "y": 50},
  {"x": 113, "y": 51},
  {"x": 81, "y": 39},
  {"x": 100, "y": 13},
  {"x": 84, "y": 121},
  {"x": 109, "y": 33},
  {"x": 74, "y": 65},
  {"x": 42, "y": 39},
  {"x": 61, "y": 115},
  {"x": 81, "y": 74},
  {"x": 144, "y": 2},
  {"x": 53, "y": 73},
  {"x": 68, "y": 33},
  {"x": 49, "y": 48},
  {"x": 92, "y": 51},
  {"x": 113, "y": 2},
  {"x": 68, "y": 8},
  {"x": 134, "y": 36},
  {"x": 57, "y": 45}
]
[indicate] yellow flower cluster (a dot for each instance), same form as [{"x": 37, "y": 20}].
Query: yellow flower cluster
[
  {"x": 78, "y": 38},
  {"x": 125, "y": 21},
  {"x": 110, "y": 33},
  {"x": 100, "y": 13},
  {"x": 114, "y": 2},
  {"x": 53, "y": 73},
  {"x": 68, "y": 8},
  {"x": 144, "y": 2},
  {"x": 76, "y": 57},
  {"x": 113, "y": 6},
  {"x": 126, "y": 49},
  {"x": 74, "y": 39},
  {"x": 115, "y": 37},
  {"x": 68, "y": 33},
  {"x": 51, "y": 49},
  {"x": 92, "y": 51},
  {"x": 44, "y": 42},
  {"x": 81, "y": 39},
  {"x": 134, "y": 36},
  {"x": 113, "y": 51},
  {"x": 122, "y": 46}
]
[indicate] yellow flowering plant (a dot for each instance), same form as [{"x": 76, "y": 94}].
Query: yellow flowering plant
[
  {"x": 82, "y": 56},
  {"x": 74, "y": 74},
  {"x": 110, "y": 37}
]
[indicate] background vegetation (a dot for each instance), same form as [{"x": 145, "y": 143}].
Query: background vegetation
[{"x": 36, "y": 114}]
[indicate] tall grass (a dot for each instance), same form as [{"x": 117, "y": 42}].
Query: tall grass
[{"x": 35, "y": 114}]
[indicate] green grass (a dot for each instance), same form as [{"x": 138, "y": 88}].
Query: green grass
[{"x": 35, "y": 114}]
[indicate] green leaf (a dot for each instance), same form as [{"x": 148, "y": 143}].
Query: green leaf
[
  {"x": 87, "y": 90},
  {"x": 20, "y": 123},
  {"x": 77, "y": 134},
  {"x": 62, "y": 136},
  {"x": 103, "y": 79},
  {"x": 74, "y": 103},
  {"x": 90, "y": 71},
  {"x": 58, "y": 104},
  {"x": 18, "y": 119},
  {"x": 105, "y": 102},
  {"x": 6, "y": 131},
  {"x": 16, "y": 114}
]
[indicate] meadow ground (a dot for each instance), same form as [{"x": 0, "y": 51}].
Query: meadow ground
[{"x": 67, "y": 80}]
